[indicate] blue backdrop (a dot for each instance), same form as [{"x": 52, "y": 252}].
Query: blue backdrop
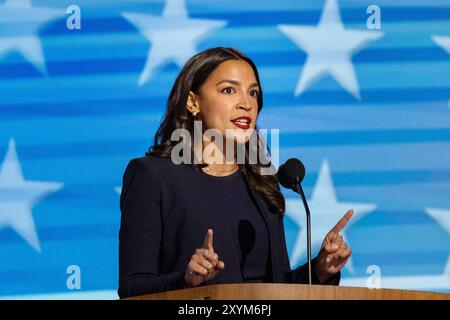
[{"x": 365, "y": 106}]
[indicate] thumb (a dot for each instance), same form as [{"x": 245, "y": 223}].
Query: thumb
[
  {"x": 208, "y": 242},
  {"x": 220, "y": 265},
  {"x": 330, "y": 236}
]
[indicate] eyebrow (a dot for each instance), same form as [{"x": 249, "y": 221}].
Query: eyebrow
[{"x": 237, "y": 83}]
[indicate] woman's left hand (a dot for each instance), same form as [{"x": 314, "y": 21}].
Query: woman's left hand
[{"x": 334, "y": 252}]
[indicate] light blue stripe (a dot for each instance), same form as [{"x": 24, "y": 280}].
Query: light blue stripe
[
  {"x": 78, "y": 88},
  {"x": 301, "y": 118},
  {"x": 418, "y": 156}
]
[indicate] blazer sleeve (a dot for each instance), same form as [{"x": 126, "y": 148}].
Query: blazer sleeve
[
  {"x": 300, "y": 274},
  {"x": 140, "y": 234}
]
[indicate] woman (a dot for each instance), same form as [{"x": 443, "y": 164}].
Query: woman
[{"x": 185, "y": 225}]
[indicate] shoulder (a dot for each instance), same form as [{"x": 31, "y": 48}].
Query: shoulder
[
  {"x": 144, "y": 177},
  {"x": 154, "y": 168},
  {"x": 150, "y": 164}
]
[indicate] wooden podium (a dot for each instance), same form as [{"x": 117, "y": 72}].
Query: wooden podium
[{"x": 277, "y": 291}]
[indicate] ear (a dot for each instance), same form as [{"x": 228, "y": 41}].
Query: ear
[{"x": 192, "y": 103}]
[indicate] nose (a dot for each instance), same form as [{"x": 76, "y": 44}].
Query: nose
[{"x": 244, "y": 103}]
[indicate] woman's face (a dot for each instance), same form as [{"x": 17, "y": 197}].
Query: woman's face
[{"x": 228, "y": 99}]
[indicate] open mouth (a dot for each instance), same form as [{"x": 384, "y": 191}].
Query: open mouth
[{"x": 242, "y": 122}]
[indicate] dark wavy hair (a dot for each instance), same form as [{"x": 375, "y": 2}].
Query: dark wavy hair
[{"x": 192, "y": 76}]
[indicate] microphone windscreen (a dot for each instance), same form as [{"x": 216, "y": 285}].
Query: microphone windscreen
[{"x": 291, "y": 173}]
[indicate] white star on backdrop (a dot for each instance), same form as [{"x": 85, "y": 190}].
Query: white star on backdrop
[
  {"x": 326, "y": 211},
  {"x": 18, "y": 196},
  {"x": 441, "y": 216},
  {"x": 329, "y": 47},
  {"x": 173, "y": 36},
  {"x": 22, "y": 22},
  {"x": 444, "y": 43}
]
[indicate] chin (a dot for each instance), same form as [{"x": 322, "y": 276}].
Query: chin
[{"x": 242, "y": 136}]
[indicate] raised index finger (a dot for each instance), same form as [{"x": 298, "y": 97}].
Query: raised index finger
[
  {"x": 341, "y": 224},
  {"x": 208, "y": 242}
]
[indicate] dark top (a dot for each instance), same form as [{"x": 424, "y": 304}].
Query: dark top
[
  {"x": 247, "y": 225},
  {"x": 166, "y": 211}
]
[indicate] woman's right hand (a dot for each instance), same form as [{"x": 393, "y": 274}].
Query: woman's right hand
[{"x": 204, "y": 264}]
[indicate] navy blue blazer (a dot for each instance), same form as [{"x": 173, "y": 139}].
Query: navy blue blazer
[{"x": 166, "y": 212}]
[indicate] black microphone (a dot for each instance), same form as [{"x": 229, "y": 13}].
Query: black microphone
[{"x": 290, "y": 175}]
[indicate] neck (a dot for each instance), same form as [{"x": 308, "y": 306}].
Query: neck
[{"x": 218, "y": 164}]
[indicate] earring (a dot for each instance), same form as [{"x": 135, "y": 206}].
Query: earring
[{"x": 194, "y": 113}]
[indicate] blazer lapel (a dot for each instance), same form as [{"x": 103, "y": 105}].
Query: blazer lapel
[{"x": 269, "y": 219}]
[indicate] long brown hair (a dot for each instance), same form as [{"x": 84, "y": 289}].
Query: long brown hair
[{"x": 192, "y": 76}]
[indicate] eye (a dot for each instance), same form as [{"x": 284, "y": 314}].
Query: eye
[
  {"x": 228, "y": 90},
  {"x": 254, "y": 93}
]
